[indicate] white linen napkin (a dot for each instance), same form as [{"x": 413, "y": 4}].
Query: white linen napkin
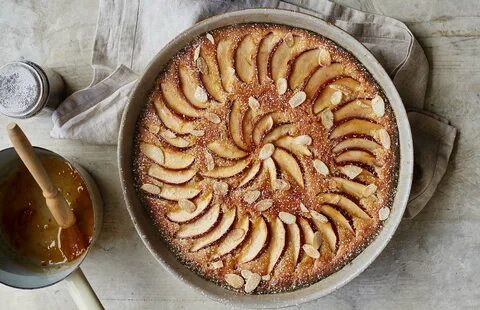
[{"x": 131, "y": 32}]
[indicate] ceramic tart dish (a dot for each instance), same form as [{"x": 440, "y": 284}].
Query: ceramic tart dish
[{"x": 264, "y": 156}]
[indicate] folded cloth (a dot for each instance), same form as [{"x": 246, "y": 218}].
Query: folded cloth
[{"x": 131, "y": 32}]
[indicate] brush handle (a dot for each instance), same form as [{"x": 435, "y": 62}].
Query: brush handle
[
  {"x": 82, "y": 293},
  {"x": 55, "y": 200}
]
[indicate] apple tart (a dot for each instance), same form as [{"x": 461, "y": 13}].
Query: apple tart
[{"x": 266, "y": 156}]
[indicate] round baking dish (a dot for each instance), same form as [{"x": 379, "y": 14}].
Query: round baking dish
[{"x": 148, "y": 231}]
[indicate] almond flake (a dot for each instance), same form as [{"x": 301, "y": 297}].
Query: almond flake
[
  {"x": 281, "y": 85},
  {"x": 266, "y": 151},
  {"x": 326, "y": 118},
  {"x": 220, "y": 188},
  {"x": 281, "y": 185},
  {"x": 168, "y": 134},
  {"x": 212, "y": 117},
  {"x": 320, "y": 167},
  {"x": 234, "y": 280},
  {"x": 217, "y": 264},
  {"x": 210, "y": 38},
  {"x": 287, "y": 218},
  {"x": 153, "y": 128},
  {"x": 289, "y": 40},
  {"x": 378, "y": 106},
  {"x": 253, "y": 103},
  {"x": 384, "y": 138},
  {"x": 318, "y": 216},
  {"x": 303, "y": 140},
  {"x": 202, "y": 65},
  {"x": 383, "y": 213},
  {"x": 150, "y": 188},
  {"x": 297, "y": 99},
  {"x": 246, "y": 273},
  {"x": 197, "y": 132},
  {"x": 201, "y": 94},
  {"x": 317, "y": 240},
  {"x": 252, "y": 282},
  {"x": 303, "y": 208},
  {"x": 209, "y": 161},
  {"x": 187, "y": 205},
  {"x": 336, "y": 97},
  {"x": 324, "y": 58},
  {"x": 251, "y": 196},
  {"x": 266, "y": 277},
  {"x": 236, "y": 234},
  {"x": 264, "y": 205},
  {"x": 196, "y": 53},
  {"x": 311, "y": 251},
  {"x": 344, "y": 89},
  {"x": 351, "y": 171},
  {"x": 369, "y": 190}
]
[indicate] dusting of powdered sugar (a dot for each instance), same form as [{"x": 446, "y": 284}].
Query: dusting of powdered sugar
[{"x": 19, "y": 88}]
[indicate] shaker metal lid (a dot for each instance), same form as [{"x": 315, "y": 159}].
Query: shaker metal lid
[{"x": 23, "y": 90}]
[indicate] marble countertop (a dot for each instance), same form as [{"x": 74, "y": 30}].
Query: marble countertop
[{"x": 432, "y": 261}]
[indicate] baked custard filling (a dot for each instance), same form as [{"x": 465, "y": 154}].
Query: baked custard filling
[{"x": 267, "y": 157}]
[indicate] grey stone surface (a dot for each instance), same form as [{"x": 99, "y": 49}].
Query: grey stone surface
[{"x": 431, "y": 263}]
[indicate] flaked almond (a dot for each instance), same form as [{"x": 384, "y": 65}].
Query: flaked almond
[
  {"x": 369, "y": 190},
  {"x": 210, "y": 37},
  {"x": 153, "y": 128},
  {"x": 383, "y": 213},
  {"x": 326, "y": 117},
  {"x": 252, "y": 282},
  {"x": 351, "y": 171},
  {"x": 187, "y": 205},
  {"x": 197, "y": 132},
  {"x": 266, "y": 151},
  {"x": 311, "y": 251},
  {"x": 220, "y": 188},
  {"x": 251, "y": 196},
  {"x": 303, "y": 208},
  {"x": 264, "y": 205},
  {"x": 320, "y": 167},
  {"x": 246, "y": 273},
  {"x": 342, "y": 88},
  {"x": 281, "y": 185},
  {"x": 201, "y": 94},
  {"x": 297, "y": 99},
  {"x": 318, "y": 216},
  {"x": 266, "y": 277},
  {"x": 168, "y": 134},
  {"x": 234, "y": 280},
  {"x": 336, "y": 97},
  {"x": 324, "y": 58},
  {"x": 236, "y": 234},
  {"x": 289, "y": 40},
  {"x": 150, "y": 188},
  {"x": 196, "y": 53},
  {"x": 202, "y": 65},
  {"x": 384, "y": 138},
  {"x": 253, "y": 103},
  {"x": 281, "y": 85},
  {"x": 217, "y": 264},
  {"x": 212, "y": 117},
  {"x": 378, "y": 106},
  {"x": 210, "y": 162},
  {"x": 303, "y": 140},
  {"x": 317, "y": 240},
  {"x": 287, "y": 218}
]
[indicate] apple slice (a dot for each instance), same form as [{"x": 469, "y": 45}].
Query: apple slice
[
  {"x": 278, "y": 132},
  {"x": 350, "y": 187},
  {"x": 153, "y": 152},
  {"x": 290, "y": 144},
  {"x": 302, "y": 67},
  {"x": 235, "y": 125},
  {"x": 295, "y": 241},
  {"x": 170, "y": 120},
  {"x": 256, "y": 242},
  {"x": 357, "y": 143},
  {"x": 177, "y": 160},
  {"x": 200, "y": 226},
  {"x": 216, "y": 233},
  {"x": 264, "y": 50},
  {"x": 321, "y": 76},
  {"x": 244, "y": 59},
  {"x": 355, "y": 126},
  {"x": 277, "y": 243},
  {"x": 221, "y": 172},
  {"x": 179, "y": 142},
  {"x": 173, "y": 192},
  {"x": 226, "y": 150},
  {"x": 263, "y": 126},
  {"x": 307, "y": 230},
  {"x": 283, "y": 55},
  {"x": 271, "y": 169},
  {"x": 289, "y": 165},
  {"x": 343, "y": 202},
  {"x": 211, "y": 77},
  {"x": 235, "y": 237},
  {"x": 182, "y": 216},
  {"x": 225, "y": 49},
  {"x": 348, "y": 87},
  {"x": 247, "y": 126},
  {"x": 359, "y": 108},
  {"x": 328, "y": 233},
  {"x": 171, "y": 176},
  {"x": 174, "y": 100},
  {"x": 251, "y": 173},
  {"x": 358, "y": 156},
  {"x": 337, "y": 217},
  {"x": 189, "y": 84}
]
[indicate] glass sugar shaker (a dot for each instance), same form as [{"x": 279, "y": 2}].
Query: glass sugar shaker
[{"x": 26, "y": 89}]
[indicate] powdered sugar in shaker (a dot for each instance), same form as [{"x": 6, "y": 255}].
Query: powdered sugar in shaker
[{"x": 26, "y": 89}]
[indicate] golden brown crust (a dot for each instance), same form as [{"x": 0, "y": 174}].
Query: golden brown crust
[{"x": 223, "y": 113}]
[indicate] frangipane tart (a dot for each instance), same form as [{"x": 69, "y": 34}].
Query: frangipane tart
[{"x": 266, "y": 156}]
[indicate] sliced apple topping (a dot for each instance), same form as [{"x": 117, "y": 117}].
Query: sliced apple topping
[
  {"x": 327, "y": 232},
  {"x": 351, "y": 171},
  {"x": 358, "y": 156},
  {"x": 293, "y": 145},
  {"x": 277, "y": 243},
  {"x": 295, "y": 240},
  {"x": 189, "y": 84},
  {"x": 151, "y": 189},
  {"x": 318, "y": 217},
  {"x": 226, "y": 150},
  {"x": 265, "y": 48},
  {"x": 225, "y": 49},
  {"x": 321, "y": 167},
  {"x": 174, "y": 140},
  {"x": 287, "y": 218},
  {"x": 177, "y": 192},
  {"x": 355, "y": 126},
  {"x": 201, "y": 225},
  {"x": 297, "y": 99},
  {"x": 171, "y": 176},
  {"x": 216, "y": 233},
  {"x": 235, "y": 125},
  {"x": 153, "y": 128},
  {"x": 210, "y": 76},
  {"x": 264, "y": 205},
  {"x": 383, "y": 213},
  {"x": 302, "y": 67},
  {"x": 247, "y": 126},
  {"x": 186, "y": 205},
  {"x": 337, "y": 217},
  {"x": 349, "y": 88},
  {"x": 282, "y": 55},
  {"x": 321, "y": 76},
  {"x": 234, "y": 280},
  {"x": 153, "y": 152},
  {"x": 177, "y": 160},
  {"x": 251, "y": 196},
  {"x": 311, "y": 251},
  {"x": 221, "y": 172},
  {"x": 182, "y": 216},
  {"x": 271, "y": 169},
  {"x": 252, "y": 282},
  {"x": 289, "y": 165},
  {"x": 252, "y": 173},
  {"x": 378, "y": 106},
  {"x": 266, "y": 151},
  {"x": 263, "y": 126},
  {"x": 360, "y": 108},
  {"x": 256, "y": 242},
  {"x": 356, "y": 143},
  {"x": 352, "y": 188},
  {"x": 170, "y": 120},
  {"x": 244, "y": 56},
  {"x": 279, "y": 132},
  {"x": 307, "y": 231},
  {"x": 175, "y": 101},
  {"x": 235, "y": 237}
]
